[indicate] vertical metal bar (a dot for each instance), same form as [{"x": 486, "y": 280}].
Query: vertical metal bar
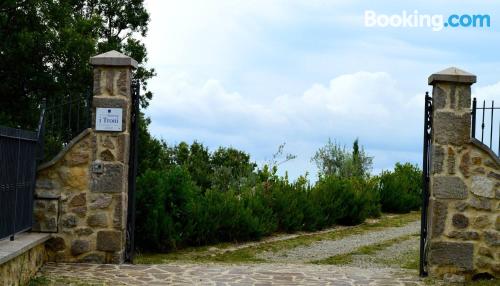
[
  {"x": 16, "y": 188},
  {"x": 498, "y": 138},
  {"x": 425, "y": 182},
  {"x": 491, "y": 123},
  {"x": 482, "y": 122},
  {"x": 474, "y": 106},
  {"x": 70, "y": 133},
  {"x": 78, "y": 114},
  {"x": 135, "y": 90}
]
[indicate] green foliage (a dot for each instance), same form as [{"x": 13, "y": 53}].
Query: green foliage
[
  {"x": 201, "y": 197},
  {"x": 175, "y": 213},
  {"x": 335, "y": 160},
  {"x": 163, "y": 198},
  {"x": 401, "y": 190},
  {"x": 346, "y": 201},
  {"x": 45, "y": 46}
]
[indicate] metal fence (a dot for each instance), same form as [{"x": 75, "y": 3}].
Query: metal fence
[
  {"x": 489, "y": 124},
  {"x": 18, "y": 157},
  {"x": 65, "y": 119}
]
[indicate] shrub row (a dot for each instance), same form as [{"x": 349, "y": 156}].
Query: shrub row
[{"x": 173, "y": 212}]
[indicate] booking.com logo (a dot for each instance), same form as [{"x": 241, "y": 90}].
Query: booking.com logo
[{"x": 416, "y": 20}]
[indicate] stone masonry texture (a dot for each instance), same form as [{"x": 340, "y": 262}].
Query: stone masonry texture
[
  {"x": 83, "y": 207},
  {"x": 464, "y": 205}
]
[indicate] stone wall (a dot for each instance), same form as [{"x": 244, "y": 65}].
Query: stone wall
[
  {"x": 464, "y": 207},
  {"x": 19, "y": 270},
  {"x": 82, "y": 193}
]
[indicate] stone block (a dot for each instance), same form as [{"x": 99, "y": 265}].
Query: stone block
[
  {"x": 45, "y": 183},
  {"x": 80, "y": 246},
  {"x": 78, "y": 200},
  {"x": 464, "y": 235},
  {"x": 494, "y": 175},
  {"x": 69, "y": 221},
  {"x": 77, "y": 158},
  {"x": 98, "y": 220},
  {"x": 481, "y": 221},
  {"x": 465, "y": 163},
  {"x": 79, "y": 211},
  {"x": 464, "y": 97},
  {"x": 451, "y": 161},
  {"x": 101, "y": 201},
  {"x": 438, "y": 217},
  {"x": 480, "y": 203},
  {"x": 74, "y": 177},
  {"x": 483, "y": 186},
  {"x": 56, "y": 244},
  {"x": 449, "y": 187},
  {"x": 111, "y": 180},
  {"x": 84, "y": 231},
  {"x": 451, "y": 129},
  {"x": 438, "y": 98},
  {"x": 492, "y": 238},
  {"x": 45, "y": 215},
  {"x": 497, "y": 223},
  {"x": 485, "y": 252},
  {"x": 118, "y": 215},
  {"x": 437, "y": 159},
  {"x": 460, "y": 221},
  {"x": 108, "y": 240},
  {"x": 457, "y": 254}
]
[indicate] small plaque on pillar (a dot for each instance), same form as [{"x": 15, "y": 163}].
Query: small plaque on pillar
[{"x": 108, "y": 119}]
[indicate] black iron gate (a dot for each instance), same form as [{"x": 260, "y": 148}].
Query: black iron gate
[
  {"x": 425, "y": 183},
  {"x": 132, "y": 172},
  {"x": 19, "y": 151},
  {"x": 487, "y": 111}
]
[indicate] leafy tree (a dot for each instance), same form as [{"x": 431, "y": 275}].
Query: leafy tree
[
  {"x": 231, "y": 168},
  {"x": 45, "y": 46},
  {"x": 334, "y": 159},
  {"x": 361, "y": 163}
]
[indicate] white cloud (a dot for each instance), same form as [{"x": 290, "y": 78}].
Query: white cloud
[{"x": 364, "y": 104}]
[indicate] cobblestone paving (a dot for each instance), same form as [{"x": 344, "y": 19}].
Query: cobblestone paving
[{"x": 218, "y": 274}]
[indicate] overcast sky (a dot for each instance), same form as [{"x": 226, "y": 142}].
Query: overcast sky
[{"x": 255, "y": 74}]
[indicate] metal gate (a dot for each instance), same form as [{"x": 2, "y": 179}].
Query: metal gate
[
  {"x": 427, "y": 150},
  {"x": 132, "y": 172},
  {"x": 19, "y": 151}
]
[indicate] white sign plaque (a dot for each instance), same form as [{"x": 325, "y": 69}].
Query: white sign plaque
[{"x": 108, "y": 119}]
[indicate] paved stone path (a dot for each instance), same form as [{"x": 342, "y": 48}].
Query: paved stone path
[{"x": 223, "y": 274}]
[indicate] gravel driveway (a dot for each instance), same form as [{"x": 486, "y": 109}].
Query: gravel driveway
[{"x": 327, "y": 248}]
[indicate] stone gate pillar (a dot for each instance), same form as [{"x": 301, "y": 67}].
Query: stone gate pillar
[
  {"x": 81, "y": 194},
  {"x": 464, "y": 186},
  {"x": 111, "y": 111}
]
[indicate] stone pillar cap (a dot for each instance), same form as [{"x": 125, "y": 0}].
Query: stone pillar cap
[
  {"x": 453, "y": 74},
  {"x": 113, "y": 58}
]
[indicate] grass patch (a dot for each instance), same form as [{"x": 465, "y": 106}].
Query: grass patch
[
  {"x": 347, "y": 258},
  {"x": 248, "y": 254}
]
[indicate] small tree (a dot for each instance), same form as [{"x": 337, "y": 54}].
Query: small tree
[{"x": 334, "y": 159}]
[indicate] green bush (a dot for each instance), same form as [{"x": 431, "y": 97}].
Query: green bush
[
  {"x": 163, "y": 198},
  {"x": 345, "y": 201},
  {"x": 401, "y": 190}
]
